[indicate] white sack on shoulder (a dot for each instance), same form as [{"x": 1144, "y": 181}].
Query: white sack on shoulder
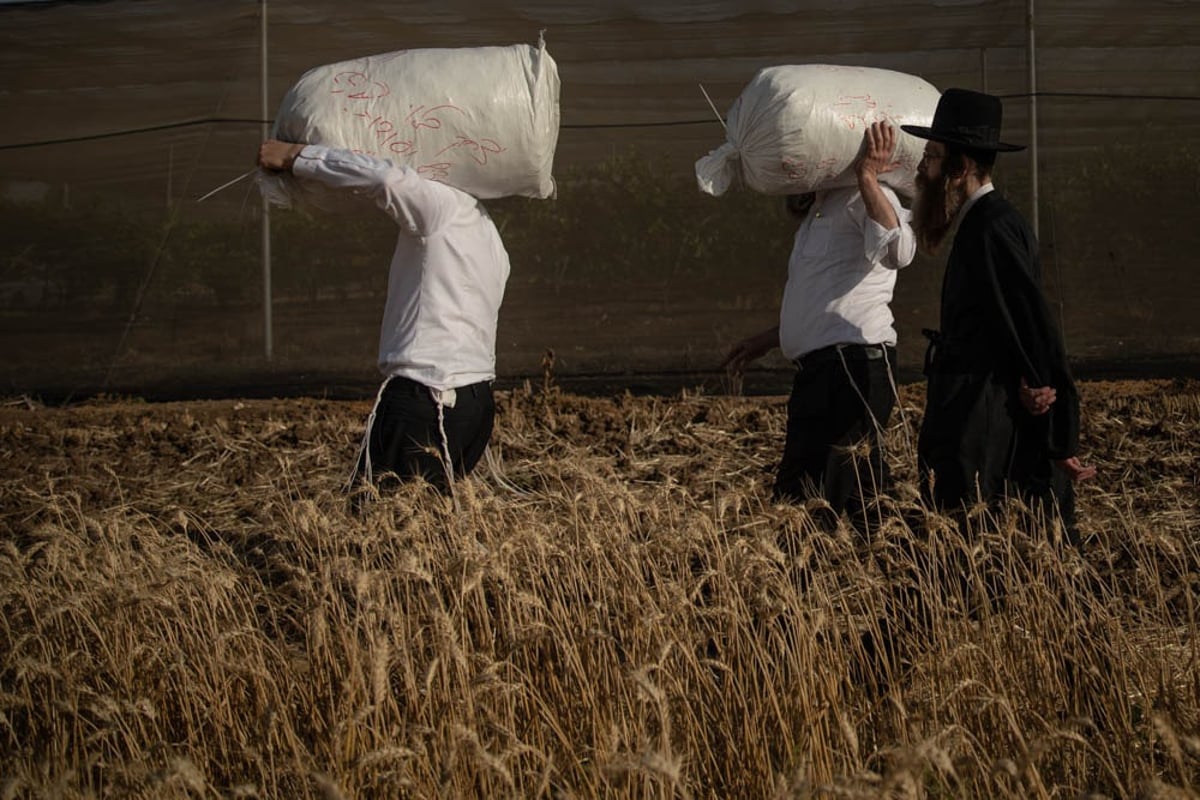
[
  {"x": 481, "y": 119},
  {"x": 799, "y": 128}
]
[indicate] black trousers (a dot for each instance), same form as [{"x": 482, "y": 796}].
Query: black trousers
[
  {"x": 828, "y": 424},
  {"x": 406, "y": 438}
]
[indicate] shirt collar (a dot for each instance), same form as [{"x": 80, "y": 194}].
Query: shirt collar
[{"x": 978, "y": 193}]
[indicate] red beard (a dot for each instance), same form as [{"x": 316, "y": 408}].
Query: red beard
[{"x": 933, "y": 212}]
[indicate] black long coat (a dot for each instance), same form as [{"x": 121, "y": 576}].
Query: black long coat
[{"x": 976, "y": 437}]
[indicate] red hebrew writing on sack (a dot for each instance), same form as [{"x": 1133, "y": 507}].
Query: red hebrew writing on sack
[
  {"x": 357, "y": 86},
  {"x": 429, "y": 110},
  {"x": 359, "y": 90},
  {"x": 857, "y": 112},
  {"x": 799, "y": 128}
]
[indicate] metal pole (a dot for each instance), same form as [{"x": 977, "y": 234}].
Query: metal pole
[
  {"x": 170, "y": 172},
  {"x": 268, "y": 343},
  {"x": 1033, "y": 122}
]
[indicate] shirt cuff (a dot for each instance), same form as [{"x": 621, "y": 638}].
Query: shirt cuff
[
  {"x": 305, "y": 162},
  {"x": 876, "y": 239}
]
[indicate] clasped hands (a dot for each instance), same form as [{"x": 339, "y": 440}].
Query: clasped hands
[{"x": 1037, "y": 401}]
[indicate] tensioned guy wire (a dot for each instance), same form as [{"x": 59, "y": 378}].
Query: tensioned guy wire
[{"x": 566, "y": 126}]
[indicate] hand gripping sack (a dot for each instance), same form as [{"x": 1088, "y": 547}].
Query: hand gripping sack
[
  {"x": 481, "y": 119},
  {"x": 797, "y": 129}
]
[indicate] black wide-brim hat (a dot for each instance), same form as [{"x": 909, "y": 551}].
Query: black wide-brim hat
[{"x": 966, "y": 119}]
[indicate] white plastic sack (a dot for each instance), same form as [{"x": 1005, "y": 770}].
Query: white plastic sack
[
  {"x": 799, "y": 128},
  {"x": 481, "y": 119}
]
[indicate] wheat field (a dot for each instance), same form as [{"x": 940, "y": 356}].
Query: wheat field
[{"x": 613, "y": 608}]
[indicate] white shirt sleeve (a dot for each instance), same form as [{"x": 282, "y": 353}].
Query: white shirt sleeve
[
  {"x": 421, "y": 207},
  {"x": 894, "y": 248}
]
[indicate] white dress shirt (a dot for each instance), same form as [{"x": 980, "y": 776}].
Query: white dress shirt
[
  {"x": 447, "y": 275},
  {"x": 841, "y": 275}
]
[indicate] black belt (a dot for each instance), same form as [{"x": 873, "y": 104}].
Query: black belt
[
  {"x": 849, "y": 352},
  {"x": 956, "y": 356},
  {"x": 398, "y": 384}
]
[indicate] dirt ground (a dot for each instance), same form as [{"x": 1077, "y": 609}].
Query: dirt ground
[{"x": 137, "y": 438}]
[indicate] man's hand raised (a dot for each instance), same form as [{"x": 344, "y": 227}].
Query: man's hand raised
[
  {"x": 278, "y": 156},
  {"x": 879, "y": 150}
]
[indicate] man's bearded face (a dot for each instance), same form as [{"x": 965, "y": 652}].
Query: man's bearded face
[{"x": 939, "y": 196}]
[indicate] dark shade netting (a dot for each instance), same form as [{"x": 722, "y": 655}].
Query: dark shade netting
[{"x": 115, "y": 117}]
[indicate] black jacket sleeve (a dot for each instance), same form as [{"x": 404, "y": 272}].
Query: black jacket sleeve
[{"x": 1029, "y": 343}]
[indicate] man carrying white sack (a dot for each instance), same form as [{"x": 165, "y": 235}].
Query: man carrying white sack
[
  {"x": 835, "y": 324},
  {"x": 437, "y": 347}
]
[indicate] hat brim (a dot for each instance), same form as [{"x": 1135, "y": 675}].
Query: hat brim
[{"x": 951, "y": 139}]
